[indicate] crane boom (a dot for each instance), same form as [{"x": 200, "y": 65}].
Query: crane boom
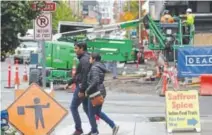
[{"x": 102, "y": 29}]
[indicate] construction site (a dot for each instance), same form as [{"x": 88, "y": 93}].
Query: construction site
[{"x": 159, "y": 79}]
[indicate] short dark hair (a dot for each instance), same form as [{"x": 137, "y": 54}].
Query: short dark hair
[
  {"x": 96, "y": 56},
  {"x": 82, "y": 45}
]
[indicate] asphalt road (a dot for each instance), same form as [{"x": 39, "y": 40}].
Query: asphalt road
[{"x": 120, "y": 106}]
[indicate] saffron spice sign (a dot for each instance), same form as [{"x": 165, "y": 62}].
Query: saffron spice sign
[{"x": 182, "y": 110}]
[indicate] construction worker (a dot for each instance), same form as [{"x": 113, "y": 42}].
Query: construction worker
[
  {"x": 189, "y": 22},
  {"x": 189, "y": 17},
  {"x": 166, "y": 18}
]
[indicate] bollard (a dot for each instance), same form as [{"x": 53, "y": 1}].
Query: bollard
[
  {"x": 9, "y": 77},
  {"x": 17, "y": 80}
]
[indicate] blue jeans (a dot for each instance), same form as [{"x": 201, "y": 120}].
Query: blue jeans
[
  {"x": 92, "y": 111},
  {"x": 112, "y": 66},
  {"x": 76, "y": 101}
]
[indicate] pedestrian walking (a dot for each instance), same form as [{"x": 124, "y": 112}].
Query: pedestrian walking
[
  {"x": 112, "y": 66},
  {"x": 80, "y": 79},
  {"x": 94, "y": 92}
]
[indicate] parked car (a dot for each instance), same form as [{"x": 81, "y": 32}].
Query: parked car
[{"x": 22, "y": 53}]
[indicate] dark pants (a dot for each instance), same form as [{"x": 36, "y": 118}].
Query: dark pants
[
  {"x": 76, "y": 101},
  {"x": 92, "y": 111}
]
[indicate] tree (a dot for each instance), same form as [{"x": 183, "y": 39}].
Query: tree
[
  {"x": 62, "y": 13},
  {"x": 16, "y": 17},
  {"x": 133, "y": 8}
]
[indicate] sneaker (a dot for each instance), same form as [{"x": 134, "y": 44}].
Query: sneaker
[
  {"x": 90, "y": 133},
  {"x": 77, "y": 132},
  {"x": 115, "y": 130}
]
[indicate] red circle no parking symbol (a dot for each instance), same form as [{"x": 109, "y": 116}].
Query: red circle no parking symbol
[{"x": 42, "y": 21}]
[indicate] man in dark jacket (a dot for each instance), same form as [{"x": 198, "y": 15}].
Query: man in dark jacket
[
  {"x": 80, "y": 79},
  {"x": 95, "y": 81}
]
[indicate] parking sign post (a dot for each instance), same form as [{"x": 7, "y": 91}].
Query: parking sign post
[
  {"x": 43, "y": 63},
  {"x": 42, "y": 33}
]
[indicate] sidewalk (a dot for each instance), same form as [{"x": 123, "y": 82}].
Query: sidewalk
[{"x": 132, "y": 128}]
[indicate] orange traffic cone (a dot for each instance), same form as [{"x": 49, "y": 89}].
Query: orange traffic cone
[
  {"x": 16, "y": 80},
  {"x": 9, "y": 78},
  {"x": 25, "y": 77},
  {"x": 73, "y": 72},
  {"x": 165, "y": 80}
]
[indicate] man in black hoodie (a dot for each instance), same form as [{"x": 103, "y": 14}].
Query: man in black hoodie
[{"x": 80, "y": 79}]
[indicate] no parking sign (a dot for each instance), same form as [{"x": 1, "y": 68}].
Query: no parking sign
[{"x": 43, "y": 27}]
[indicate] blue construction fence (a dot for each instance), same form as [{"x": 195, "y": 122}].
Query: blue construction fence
[{"x": 194, "y": 61}]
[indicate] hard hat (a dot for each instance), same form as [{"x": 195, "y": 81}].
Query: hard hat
[
  {"x": 166, "y": 12},
  {"x": 188, "y": 10}
]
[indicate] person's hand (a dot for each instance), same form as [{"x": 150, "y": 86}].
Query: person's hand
[
  {"x": 86, "y": 93},
  {"x": 81, "y": 95},
  {"x": 67, "y": 86}
]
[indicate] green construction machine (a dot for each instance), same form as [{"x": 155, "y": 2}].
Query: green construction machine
[
  {"x": 98, "y": 40},
  {"x": 168, "y": 36},
  {"x": 60, "y": 56}
]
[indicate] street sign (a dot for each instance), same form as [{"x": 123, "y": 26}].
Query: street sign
[
  {"x": 182, "y": 110},
  {"x": 49, "y": 6},
  {"x": 35, "y": 112},
  {"x": 43, "y": 27}
]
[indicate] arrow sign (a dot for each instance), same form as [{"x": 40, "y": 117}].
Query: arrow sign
[{"x": 192, "y": 122}]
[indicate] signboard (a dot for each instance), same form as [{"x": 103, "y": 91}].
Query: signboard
[
  {"x": 182, "y": 110},
  {"x": 49, "y": 6},
  {"x": 35, "y": 112},
  {"x": 194, "y": 61},
  {"x": 43, "y": 27}
]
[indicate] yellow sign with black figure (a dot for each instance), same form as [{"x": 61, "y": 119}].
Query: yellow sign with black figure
[
  {"x": 182, "y": 110},
  {"x": 35, "y": 112}
]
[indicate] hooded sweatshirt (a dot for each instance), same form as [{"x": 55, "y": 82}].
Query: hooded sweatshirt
[
  {"x": 95, "y": 79},
  {"x": 82, "y": 70}
]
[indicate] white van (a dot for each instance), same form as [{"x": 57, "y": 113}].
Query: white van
[{"x": 27, "y": 46}]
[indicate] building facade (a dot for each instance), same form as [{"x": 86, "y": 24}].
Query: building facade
[{"x": 76, "y": 6}]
